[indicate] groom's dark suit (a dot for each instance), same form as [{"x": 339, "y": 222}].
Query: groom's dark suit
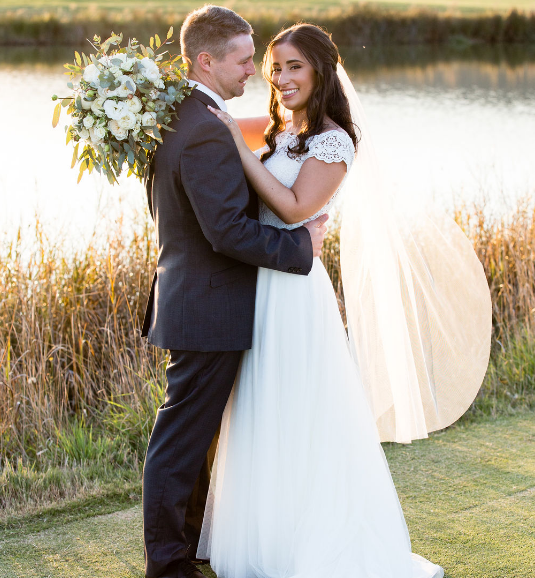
[{"x": 201, "y": 307}]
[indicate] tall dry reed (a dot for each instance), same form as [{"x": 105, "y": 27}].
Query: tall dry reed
[
  {"x": 70, "y": 347},
  {"x": 69, "y": 336}
]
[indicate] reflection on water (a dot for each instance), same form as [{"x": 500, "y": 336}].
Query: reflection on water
[{"x": 446, "y": 123}]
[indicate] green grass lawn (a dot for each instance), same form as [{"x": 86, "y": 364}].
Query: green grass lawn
[
  {"x": 247, "y": 5},
  {"x": 468, "y": 494}
]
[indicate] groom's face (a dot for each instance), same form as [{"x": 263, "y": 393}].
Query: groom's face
[{"x": 231, "y": 73}]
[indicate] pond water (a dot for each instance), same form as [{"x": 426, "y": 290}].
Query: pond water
[{"x": 452, "y": 125}]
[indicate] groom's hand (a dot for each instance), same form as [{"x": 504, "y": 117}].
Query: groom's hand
[{"x": 317, "y": 230}]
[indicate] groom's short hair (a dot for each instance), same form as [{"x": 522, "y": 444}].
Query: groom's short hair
[{"x": 211, "y": 29}]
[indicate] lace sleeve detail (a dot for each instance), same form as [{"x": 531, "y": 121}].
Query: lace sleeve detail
[{"x": 333, "y": 146}]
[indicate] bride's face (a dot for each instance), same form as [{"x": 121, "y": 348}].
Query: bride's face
[{"x": 292, "y": 75}]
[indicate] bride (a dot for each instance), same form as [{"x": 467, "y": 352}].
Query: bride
[{"x": 301, "y": 487}]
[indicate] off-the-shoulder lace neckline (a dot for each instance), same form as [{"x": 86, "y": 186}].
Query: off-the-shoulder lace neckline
[{"x": 340, "y": 130}]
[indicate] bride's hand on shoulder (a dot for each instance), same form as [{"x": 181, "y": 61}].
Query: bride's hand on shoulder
[{"x": 230, "y": 123}]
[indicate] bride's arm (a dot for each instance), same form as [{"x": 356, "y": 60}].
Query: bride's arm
[
  {"x": 252, "y": 129},
  {"x": 315, "y": 185}
]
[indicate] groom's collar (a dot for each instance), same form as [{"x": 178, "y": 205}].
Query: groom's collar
[{"x": 213, "y": 95}]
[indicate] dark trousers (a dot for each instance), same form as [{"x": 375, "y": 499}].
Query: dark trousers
[{"x": 198, "y": 387}]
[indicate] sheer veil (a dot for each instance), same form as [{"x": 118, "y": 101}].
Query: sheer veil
[{"x": 417, "y": 302}]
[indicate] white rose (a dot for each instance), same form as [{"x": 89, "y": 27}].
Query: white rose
[
  {"x": 89, "y": 121},
  {"x": 134, "y": 104},
  {"x": 127, "y": 120},
  {"x": 149, "y": 69},
  {"x": 97, "y": 106},
  {"x": 127, "y": 87},
  {"x": 106, "y": 92},
  {"x": 113, "y": 109},
  {"x": 118, "y": 132},
  {"x": 86, "y": 104},
  {"x": 83, "y": 134},
  {"x": 94, "y": 138},
  {"x": 116, "y": 71},
  {"x": 91, "y": 74},
  {"x": 100, "y": 132},
  {"x": 148, "y": 119},
  {"x": 126, "y": 63},
  {"x": 123, "y": 91}
]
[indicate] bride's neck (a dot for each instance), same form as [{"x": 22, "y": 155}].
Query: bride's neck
[{"x": 299, "y": 120}]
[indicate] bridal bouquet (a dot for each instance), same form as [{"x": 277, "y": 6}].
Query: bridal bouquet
[{"x": 123, "y": 100}]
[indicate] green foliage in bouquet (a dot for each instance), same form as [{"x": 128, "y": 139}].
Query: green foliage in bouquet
[{"x": 122, "y": 102}]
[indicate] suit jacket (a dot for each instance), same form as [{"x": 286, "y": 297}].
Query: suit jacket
[{"x": 209, "y": 241}]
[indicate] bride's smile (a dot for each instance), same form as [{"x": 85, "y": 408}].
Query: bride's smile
[{"x": 293, "y": 76}]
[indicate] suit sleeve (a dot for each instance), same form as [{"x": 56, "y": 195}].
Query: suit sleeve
[{"x": 212, "y": 176}]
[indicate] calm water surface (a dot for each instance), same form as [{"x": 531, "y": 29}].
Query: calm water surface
[{"x": 454, "y": 128}]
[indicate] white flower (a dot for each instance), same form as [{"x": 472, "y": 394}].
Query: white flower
[
  {"x": 154, "y": 94},
  {"x": 159, "y": 83},
  {"x": 138, "y": 133},
  {"x": 105, "y": 60},
  {"x": 113, "y": 109},
  {"x": 148, "y": 119},
  {"x": 116, "y": 71},
  {"x": 149, "y": 69},
  {"x": 134, "y": 104},
  {"x": 106, "y": 92},
  {"x": 126, "y": 62},
  {"x": 127, "y": 120},
  {"x": 118, "y": 132},
  {"x": 94, "y": 137},
  {"x": 89, "y": 121},
  {"x": 127, "y": 87},
  {"x": 97, "y": 106},
  {"x": 83, "y": 134},
  {"x": 86, "y": 104},
  {"x": 100, "y": 132},
  {"x": 91, "y": 74}
]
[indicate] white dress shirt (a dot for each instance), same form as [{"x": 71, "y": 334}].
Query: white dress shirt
[{"x": 213, "y": 95}]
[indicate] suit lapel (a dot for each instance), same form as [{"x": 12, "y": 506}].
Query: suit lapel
[{"x": 252, "y": 207}]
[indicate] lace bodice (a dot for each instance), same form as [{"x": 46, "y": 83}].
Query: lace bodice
[{"x": 332, "y": 146}]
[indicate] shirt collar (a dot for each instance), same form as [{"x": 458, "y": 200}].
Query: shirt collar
[{"x": 213, "y": 95}]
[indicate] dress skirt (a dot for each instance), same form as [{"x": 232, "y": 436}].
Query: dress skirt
[{"x": 301, "y": 487}]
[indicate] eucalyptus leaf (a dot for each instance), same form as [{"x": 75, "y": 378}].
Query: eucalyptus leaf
[
  {"x": 55, "y": 116},
  {"x": 75, "y": 156}
]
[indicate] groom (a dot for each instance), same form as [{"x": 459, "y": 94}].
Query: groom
[{"x": 201, "y": 304}]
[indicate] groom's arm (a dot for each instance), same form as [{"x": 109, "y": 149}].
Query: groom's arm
[{"x": 212, "y": 176}]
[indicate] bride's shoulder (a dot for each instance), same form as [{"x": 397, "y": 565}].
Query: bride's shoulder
[{"x": 332, "y": 145}]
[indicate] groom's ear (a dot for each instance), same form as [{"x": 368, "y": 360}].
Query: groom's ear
[{"x": 204, "y": 60}]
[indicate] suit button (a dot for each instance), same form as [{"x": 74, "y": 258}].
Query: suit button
[
  {"x": 290, "y": 269},
  {"x": 298, "y": 270}
]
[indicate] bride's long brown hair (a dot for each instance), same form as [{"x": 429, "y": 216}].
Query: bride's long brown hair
[{"x": 327, "y": 97}]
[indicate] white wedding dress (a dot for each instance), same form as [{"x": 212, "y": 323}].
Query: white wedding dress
[{"x": 301, "y": 487}]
